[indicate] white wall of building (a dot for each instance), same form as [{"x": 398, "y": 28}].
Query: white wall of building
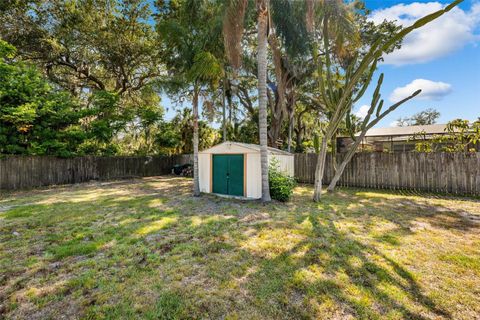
[
  {"x": 204, "y": 168},
  {"x": 254, "y": 176},
  {"x": 253, "y": 167}
]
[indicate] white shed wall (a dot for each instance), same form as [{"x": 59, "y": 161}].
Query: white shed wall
[
  {"x": 253, "y": 169},
  {"x": 204, "y": 168},
  {"x": 254, "y": 176}
]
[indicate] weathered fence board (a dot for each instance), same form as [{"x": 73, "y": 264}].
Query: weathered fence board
[
  {"x": 456, "y": 173},
  {"x": 19, "y": 172}
]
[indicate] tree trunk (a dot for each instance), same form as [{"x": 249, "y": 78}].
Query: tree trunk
[
  {"x": 274, "y": 134},
  {"x": 299, "y": 131},
  {"x": 346, "y": 160},
  {"x": 196, "y": 182},
  {"x": 299, "y": 140},
  {"x": 333, "y": 143},
  {"x": 291, "y": 118},
  {"x": 322, "y": 155},
  {"x": 224, "y": 112},
  {"x": 290, "y": 132},
  {"x": 277, "y": 108},
  {"x": 262, "y": 95},
  {"x": 367, "y": 124}
]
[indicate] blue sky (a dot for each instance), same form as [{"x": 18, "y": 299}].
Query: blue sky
[
  {"x": 446, "y": 53},
  {"x": 442, "y": 59}
]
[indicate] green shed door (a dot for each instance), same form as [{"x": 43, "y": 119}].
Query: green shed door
[
  {"x": 219, "y": 174},
  {"x": 228, "y": 174},
  {"x": 235, "y": 178}
]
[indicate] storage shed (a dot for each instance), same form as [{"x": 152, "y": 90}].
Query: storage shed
[{"x": 233, "y": 168}]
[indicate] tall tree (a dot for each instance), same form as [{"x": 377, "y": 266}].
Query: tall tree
[
  {"x": 35, "y": 117},
  {"x": 191, "y": 45},
  {"x": 366, "y": 124},
  {"x": 353, "y": 71},
  {"x": 89, "y": 47},
  {"x": 290, "y": 45},
  {"x": 86, "y": 45},
  {"x": 262, "y": 29},
  {"x": 233, "y": 31}
]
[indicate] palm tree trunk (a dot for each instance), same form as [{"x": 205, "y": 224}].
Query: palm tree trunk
[
  {"x": 196, "y": 182},
  {"x": 224, "y": 112},
  {"x": 262, "y": 94},
  {"x": 322, "y": 155}
]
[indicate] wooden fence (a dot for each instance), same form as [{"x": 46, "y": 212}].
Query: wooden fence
[
  {"x": 455, "y": 173},
  {"x": 18, "y": 172}
]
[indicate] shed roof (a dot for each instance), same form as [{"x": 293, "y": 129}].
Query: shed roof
[
  {"x": 404, "y": 131},
  {"x": 253, "y": 147}
]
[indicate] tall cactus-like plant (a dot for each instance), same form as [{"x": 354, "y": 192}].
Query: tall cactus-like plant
[
  {"x": 367, "y": 123},
  {"x": 339, "y": 98},
  {"x": 316, "y": 143}
]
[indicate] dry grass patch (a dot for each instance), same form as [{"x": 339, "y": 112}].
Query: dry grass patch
[{"x": 146, "y": 249}]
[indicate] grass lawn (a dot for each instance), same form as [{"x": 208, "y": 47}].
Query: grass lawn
[{"x": 146, "y": 249}]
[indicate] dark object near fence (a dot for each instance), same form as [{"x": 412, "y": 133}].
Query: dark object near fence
[
  {"x": 185, "y": 170},
  {"x": 177, "y": 169}
]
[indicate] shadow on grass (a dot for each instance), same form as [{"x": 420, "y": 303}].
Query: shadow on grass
[
  {"x": 174, "y": 254},
  {"x": 358, "y": 279},
  {"x": 333, "y": 265}
]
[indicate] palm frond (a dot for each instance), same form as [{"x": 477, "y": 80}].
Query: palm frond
[
  {"x": 206, "y": 67},
  {"x": 233, "y": 30}
]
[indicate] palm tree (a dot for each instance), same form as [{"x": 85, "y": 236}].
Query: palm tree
[
  {"x": 190, "y": 45},
  {"x": 196, "y": 181},
  {"x": 262, "y": 25},
  {"x": 233, "y": 31}
]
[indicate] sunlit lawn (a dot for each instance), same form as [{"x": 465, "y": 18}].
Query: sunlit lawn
[{"x": 147, "y": 249}]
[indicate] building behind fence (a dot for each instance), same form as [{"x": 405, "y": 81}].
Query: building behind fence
[
  {"x": 402, "y": 139},
  {"x": 456, "y": 173}
]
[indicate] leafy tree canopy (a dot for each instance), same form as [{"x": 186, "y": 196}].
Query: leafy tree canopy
[
  {"x": 425, "y": 117},
  {"x": 35, "y": 118},
  {"x": 86, "y": 45}
]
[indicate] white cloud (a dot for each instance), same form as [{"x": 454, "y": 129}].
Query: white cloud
[
  {"x": 431, "y": 90},
  {"x": 449, "y": 33},
  {"x": 362, "y": 111}
]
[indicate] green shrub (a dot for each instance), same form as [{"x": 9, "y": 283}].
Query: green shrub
[{"x": 281, "y": 184}]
